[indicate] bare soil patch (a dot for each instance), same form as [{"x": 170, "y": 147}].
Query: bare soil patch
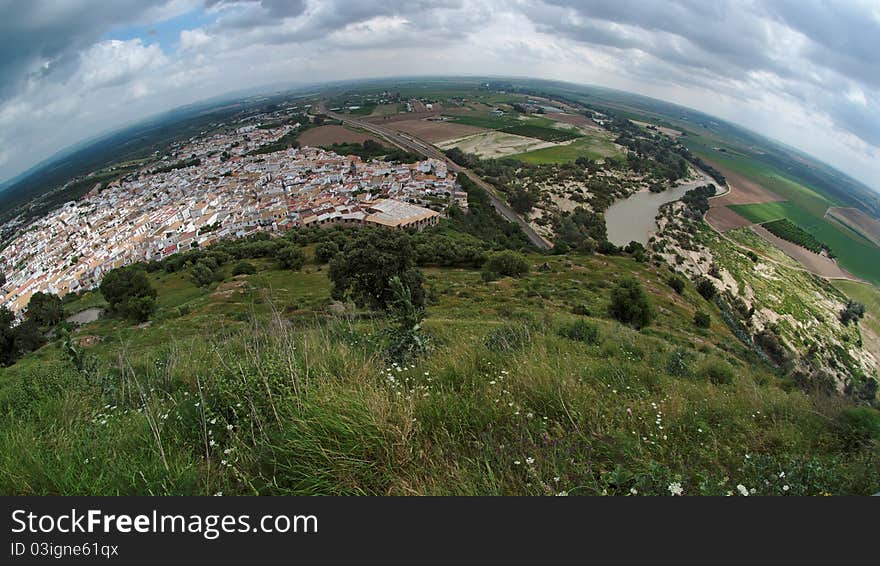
[
  {"x": 815, "y": 263},
  {"x": 743, "y": 191},
  {"x": 328, "y": 135},
  {"x": 435, "y": 130},
  {"x": 576, "y": 119},
  {"x": 723, "y": 219},
  {"x": 492, "y": 143},
  {"x": 857, "y": 220}
]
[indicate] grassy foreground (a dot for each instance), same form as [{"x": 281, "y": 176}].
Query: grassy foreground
[{"x": 259, "y": 386}]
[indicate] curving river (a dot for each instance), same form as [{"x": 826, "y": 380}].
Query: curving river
[{"x": 633, "y": 218}]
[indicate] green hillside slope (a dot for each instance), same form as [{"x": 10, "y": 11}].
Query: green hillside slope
[{"x": 261, "y": 384}]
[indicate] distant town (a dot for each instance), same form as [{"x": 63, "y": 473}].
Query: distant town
[{"x": 217, "y": 188}]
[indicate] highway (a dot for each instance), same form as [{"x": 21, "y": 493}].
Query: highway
[{"x": 416, "y": 145}]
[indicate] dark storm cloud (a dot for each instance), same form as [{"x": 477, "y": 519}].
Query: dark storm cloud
[{"x": 40, "y": 39}]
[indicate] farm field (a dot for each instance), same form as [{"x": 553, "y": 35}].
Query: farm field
[
  {"x": 785, "y": 229},
  {"x": 542, "y": 133},
  {"x": 435, "y": 131},
  {"x": 328, "y": 135},
  {"x": 494, "y": 144},
  {"x": 854, "y": 253},
  {"x": 811, "y": 261},
  {"x": 858, "y": 221},
  {"x": 722, "y": 218},
  {"x": 595, "y": 147}
]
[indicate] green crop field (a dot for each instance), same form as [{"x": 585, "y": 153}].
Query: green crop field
[
  {"x": 854, "y": 253},
  {"x": 787, "y": 230},
  {"x": 593, "y": 147},
  {"x": 541, "y": 133}
]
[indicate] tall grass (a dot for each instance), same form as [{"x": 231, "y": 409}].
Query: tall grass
[{"x": 275, "y": 407}]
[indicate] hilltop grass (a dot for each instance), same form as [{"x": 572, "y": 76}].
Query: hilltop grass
[{"x": 254, "y": 387}]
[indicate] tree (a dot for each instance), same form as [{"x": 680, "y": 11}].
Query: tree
[
  {"x": 45, "y": 309},
  {"x": 244, "y": 268},
  {"x": 7, "y": 336},
  {"x": 129, "y": 293},
  {"x": 522, "y": 201},
  {"x": 630, "y": 304},
  {"x": 326, "y": 251},
  {"x": 365, "y": 267},
  {"x": 203, "y": 275},
  {"x": 677, "y": 284},
  {"x": 706, "y": 288},
  {"x": 27, "y": 337},
  {"x": 290, "y": 257},
  {"x": 507, "y": 263},
  {"x": 853, "y": 312}
]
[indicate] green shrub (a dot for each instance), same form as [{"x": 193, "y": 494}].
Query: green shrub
[
  {"x": 244, "y": 268},
  {"x": 706, "y": 289},
  {"x": 630, "y": 304},
  {"x": 581, "y": 331},
  {"x": 859, "y": 426},
  {"x": 677, "y": 284},
  {"x": 702, "y": 319},
  {"x": 582, "y": 310},
  {"x": 489, "y": 276},
  {"x": 326, "y": 251},
  {"x": 507, "y": 263},
  {"x": 290, "y": 257},
  {"x": 717, "y": 371}
]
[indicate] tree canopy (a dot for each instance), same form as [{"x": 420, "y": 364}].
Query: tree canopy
[{"x": 366, "y": 265}]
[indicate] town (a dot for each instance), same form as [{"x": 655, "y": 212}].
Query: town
[{"x": 221, "y": 189}]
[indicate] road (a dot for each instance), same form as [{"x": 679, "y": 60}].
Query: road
[{"x": 411, "y": 143}]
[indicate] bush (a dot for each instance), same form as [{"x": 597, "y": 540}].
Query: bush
[
  {"x": 677, "y": 284},
  {"x": 580, "y": 331},
  {"x": 702, "y": 319},
  {"x": 706, "y": 289},
  {"x": 139, "y": 309},
  {"x": 630, "y": 304},
  {"x": 859, "y": 426},
  {"x": 129, "y": 293},
  {"x": 489, "y": 276},
  {"x": 508, "y": 338},
  {"x": 717, "y": 371},
  {"x": 45, "y": 309},
  {"x": 853, "y": 312},
  {"x": 203, "y": 275},
  {"x": 507, "y": 263},
  {"x": 326, "y": 251},
  {"x": 244, "y": 268},
  {"x": 582, "y": 310},
  {"x": 290, "y": 257},
  {"x": 364, "y": 269}
]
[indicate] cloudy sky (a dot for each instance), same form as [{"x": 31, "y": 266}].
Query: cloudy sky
[{"x": 801, "y": 71}]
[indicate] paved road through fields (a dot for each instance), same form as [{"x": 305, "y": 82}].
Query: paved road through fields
[{"x": 411, "y": 143}]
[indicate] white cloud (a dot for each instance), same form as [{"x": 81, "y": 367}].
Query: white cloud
[
  {"x": 762, "y": 64},
  {"x": 113, "y": 62}
]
